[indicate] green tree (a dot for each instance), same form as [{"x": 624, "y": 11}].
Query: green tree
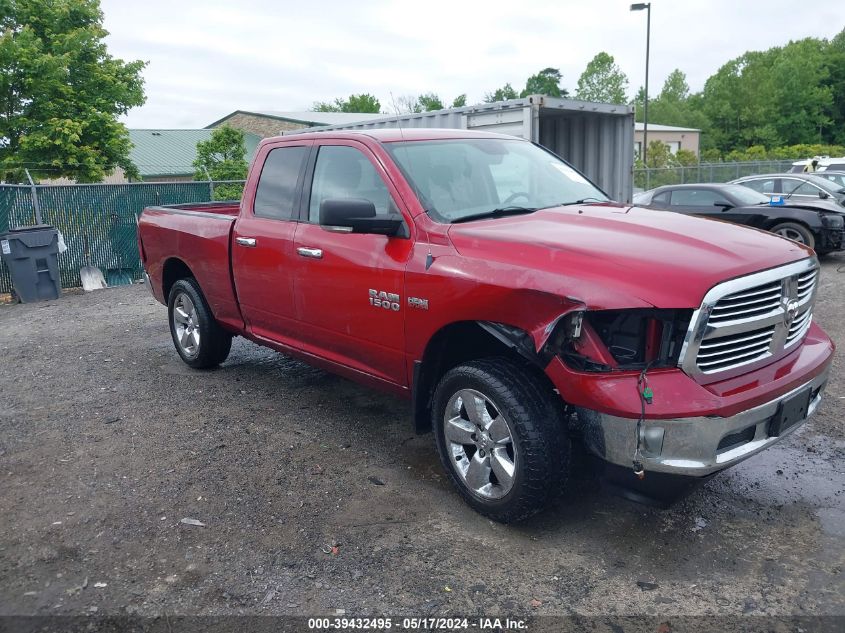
[
  {"x": 545, "y": 82},
  {"x": 362, "y": 103},
  {"x": 674, "y": 105},
  {"x": 501, "y": 94},
  {"x": 62, "y": 93},
  {"x": 460, "y": 101},
  {"x": 675, "y": 88},
  {"x": 429, "y": 102},
  {"x": 835, "y": 62},
  {"x": 602, "y": 81},
  {"x": 222, "y": 157}
]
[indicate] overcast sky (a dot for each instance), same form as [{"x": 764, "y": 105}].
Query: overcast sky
[{"x": 207, "y": 58}]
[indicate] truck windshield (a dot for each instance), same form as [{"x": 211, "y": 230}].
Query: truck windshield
[{"x": 461, "y": 179}]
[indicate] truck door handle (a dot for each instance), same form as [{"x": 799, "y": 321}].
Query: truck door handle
[
  {"x": 314, "y": 253},
  {"x": 246, "y": 241}
]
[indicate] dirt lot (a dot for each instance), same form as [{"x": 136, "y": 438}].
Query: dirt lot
[{"x": 107, "y": 441}]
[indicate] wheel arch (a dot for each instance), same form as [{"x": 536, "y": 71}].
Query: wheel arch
[
  {"x": 456, "y": 343},
  {"x": 174, "y": 269}
]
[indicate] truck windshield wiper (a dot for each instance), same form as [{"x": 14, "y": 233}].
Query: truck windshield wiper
[
  {"x": 496, "y": 213},
  {"x": 573, "y": 202}
]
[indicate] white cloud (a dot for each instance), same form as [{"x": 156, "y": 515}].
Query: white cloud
[{"x": 210, "y": 58}]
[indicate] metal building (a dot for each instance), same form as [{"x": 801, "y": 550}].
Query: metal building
[{"x": 596, "y": 138}]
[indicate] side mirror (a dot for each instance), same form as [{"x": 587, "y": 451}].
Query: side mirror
[
  {"x": 724, "y": 204},
  {"x": 355, "y": 215},
  {"x": 824, "y": 195}
]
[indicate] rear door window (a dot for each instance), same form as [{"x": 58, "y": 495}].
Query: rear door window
[
  {"x": 694, "y": 198},
  {"x": 763, "y": 185},
  {"x": 276, "y": 195}
]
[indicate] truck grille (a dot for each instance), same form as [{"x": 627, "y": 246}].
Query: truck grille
[{"x": 750, "y": 321}]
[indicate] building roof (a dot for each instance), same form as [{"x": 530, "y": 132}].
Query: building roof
[
  {"x": 173, "y": 152},
  {"x": 655, "y": 127},
  {"x": 306, "y": 118},
  {"x": 394, "y": 134}
]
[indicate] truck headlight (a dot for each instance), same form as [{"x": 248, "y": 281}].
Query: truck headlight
[
  {"x": 832, "y": 221},
  {"x": 625, "y": 339}
]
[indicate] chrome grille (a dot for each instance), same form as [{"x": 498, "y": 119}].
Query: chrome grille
[
  {"x": 799, "y": 326},
  {"x": 748, "y": 303},
  {"x": 729, "y": 351},
  {"x": 750, "y": 321}
]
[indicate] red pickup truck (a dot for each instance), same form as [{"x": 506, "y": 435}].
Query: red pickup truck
[{"x": 487, "y": 280}]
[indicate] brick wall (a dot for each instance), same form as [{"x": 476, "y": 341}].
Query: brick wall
[{"x": 261, "y": 125}]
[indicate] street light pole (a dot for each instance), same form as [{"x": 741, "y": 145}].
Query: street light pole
[{"x": 647, "y": 7}]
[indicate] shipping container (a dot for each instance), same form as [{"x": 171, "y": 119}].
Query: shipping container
[{"x": 596, "y": 138}]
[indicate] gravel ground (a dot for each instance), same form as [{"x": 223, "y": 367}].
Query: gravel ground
[{"x": 315, "y": 495}]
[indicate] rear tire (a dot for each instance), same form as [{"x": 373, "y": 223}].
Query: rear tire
[
  {"x": 198, "y": 338},
  {"x": 795, "y": 232},
  {"x": 501, "y": 437}
]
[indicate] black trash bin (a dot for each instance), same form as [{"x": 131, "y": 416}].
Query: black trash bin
[{"x": 31, "y": 254}]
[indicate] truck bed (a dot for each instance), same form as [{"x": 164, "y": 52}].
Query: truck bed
[{"x": 196, "y": 236}]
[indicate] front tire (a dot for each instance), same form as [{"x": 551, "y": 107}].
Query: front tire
[
  {"x": 795, "y": 232},
  {"x": 501, "y": 437},
  {"x": 198, "y": 338}
]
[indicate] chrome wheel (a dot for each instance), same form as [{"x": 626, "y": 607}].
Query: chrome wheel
[
  {"x": 186, "y": 325},
  {"x": 792, "y": 234},
  {"x": 480, "y": 443}
]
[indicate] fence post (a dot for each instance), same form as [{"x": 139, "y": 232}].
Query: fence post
[
  {"x": 210, "y": 183},
  {"x": 35, "y": 205}
]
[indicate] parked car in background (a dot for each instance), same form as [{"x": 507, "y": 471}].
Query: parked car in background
[
  {"x": 825, "y": 164},
  {"x": 836, "y": 177},
  {"x": 794, "y": 186},
  {"x": 796, "y": 220}
]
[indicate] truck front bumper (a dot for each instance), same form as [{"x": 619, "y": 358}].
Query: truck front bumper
[{"x": 700, "y": 446}]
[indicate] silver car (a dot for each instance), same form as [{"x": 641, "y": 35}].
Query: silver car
[{"x": 795, "y": 186}]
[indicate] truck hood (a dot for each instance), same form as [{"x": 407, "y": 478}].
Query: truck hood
[{"x": 608, "y": 255}]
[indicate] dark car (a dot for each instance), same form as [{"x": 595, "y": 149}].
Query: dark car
[
  {"x": 821, "y": 229},
  {"x": 804, "y": 187}
]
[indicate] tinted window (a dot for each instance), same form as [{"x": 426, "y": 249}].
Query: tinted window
[
  {"x": 744, "y": 195},
  {"x": 799, "y": 187},
  {"x": 344, "y": 172},
  {"x": 276, "y": 193},
  {"x": 661, "y": 199},
  {"x": 695, "y": 197},
  {"x": 763, "y": 185},
  {"x": 837, "y": 179}
]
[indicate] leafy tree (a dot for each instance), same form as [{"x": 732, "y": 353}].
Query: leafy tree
[
  {"x": 674, "y": 105},
  {"x": 835, "y": 62},
  {"x": 545, "y": 82},
  {"x": 501, "y": 94},
  {"x": 429, "y": 102},
  {"x": 362, "y": 103},
  {"x": 223, "y": 157},
  {"x": 62, "y": 93},
  {"x": 675, "y": 88},
  {"x": 460, "y": 101},
  {"x": 602, "y": 81}
]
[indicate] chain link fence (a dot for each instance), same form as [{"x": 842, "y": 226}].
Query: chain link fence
[
  {"x": 103, "y": 214},
  {"x": 651, "y": 177}
]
